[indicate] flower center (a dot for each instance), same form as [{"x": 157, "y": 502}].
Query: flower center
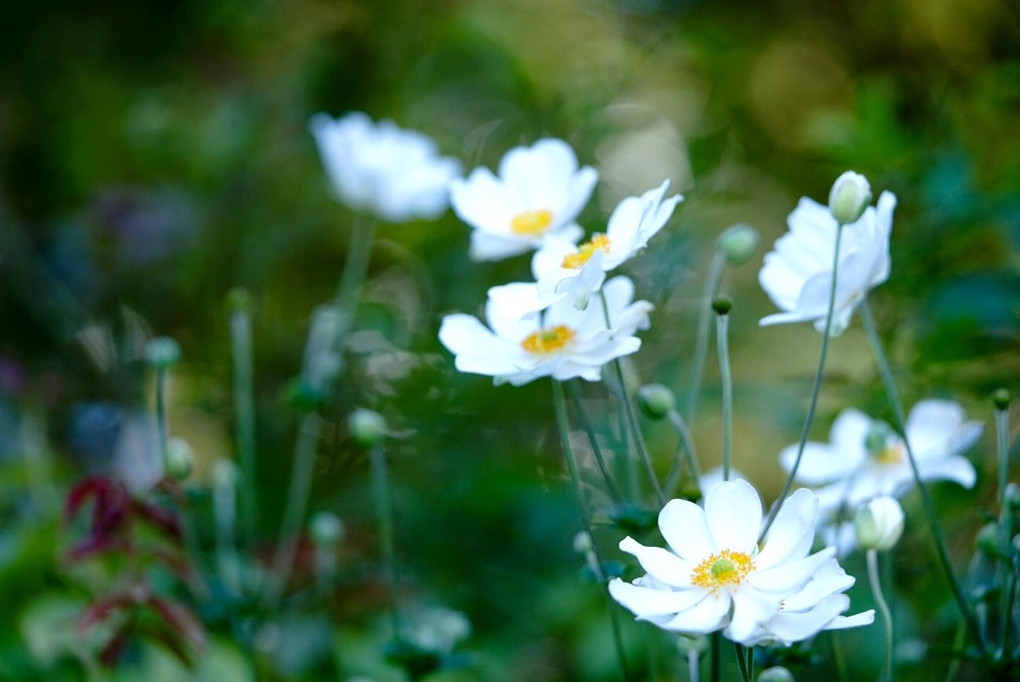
[
  {"x": 882, "y": 445},
  {"x": 725, "y": 569},
  {"x": 890, "y": 455},
  {"x": 599, "y": 242},
  {"x": 546, "y": 341},
  {"x": 531, "y": 223}
]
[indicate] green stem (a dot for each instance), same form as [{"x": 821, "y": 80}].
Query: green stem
[
  {"x": 716, "y": 671},
  {"x": 1006, "y": 566},
  {"x": 815, "y": 388},
  {"x": 359, "y": 249},
  {"x": 693, "y": 671},
  {"x": 244, "y": 417},
  {"x": 954, "y": 664},
  {"x": 575, "y": 395},
  {"x": 722, "y": 341},
  {"x": 712, "y": 280},
  {"x": 381, "y": 491},
  {"x": 837, "y": 657},
  {"x": 297, "y": 503},
  {"x": 745, "y": 672},
  {"x": 896, "y": 404},
  {"x": 563, "y": 425},
  {"x": 161, "y": 429},
  {"x": 685, "y": 447},
  {"x": 883, "y": 608}
]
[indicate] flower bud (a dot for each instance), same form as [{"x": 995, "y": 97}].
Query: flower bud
[
  {"x": 879, "y": 524},
  {"x": 656, "y": 400},
  {"x": 225, "y": 473},
  {"x": 850, "y": 195},
  {"x": 776, "y": 673},
  {"x": 180, "y": 459},
  {"x": 1012, "y": 496},
  {"x": 326, "y": 529},
  {"x": 583, "y": 543},
  {"x": 162, "y": 352},
  {"x": 687, "y": 645},
  {"x": 738, "y": 243},
  {"x": 239, "y": 300},
  {"x": 367, "y": 427},
  {"x": 1001, "y": 398},
  {"x": 988, "y": 539},
  {"x": 722, "y": 305}
]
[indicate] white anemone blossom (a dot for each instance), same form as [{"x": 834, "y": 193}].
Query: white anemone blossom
[
  {"x": 562, "y": 342},
  {"x": 714, "y": 576},
  {"x": 380, "y": 168},
  {"x": 797, "y": 273},
  {"x": 865, "y": 458},
  {"x": 539, "y": 193},
  {"x": 566, "y": 270}
]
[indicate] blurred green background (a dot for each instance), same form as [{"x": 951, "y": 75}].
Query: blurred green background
[{"x": 155, "y": 155}]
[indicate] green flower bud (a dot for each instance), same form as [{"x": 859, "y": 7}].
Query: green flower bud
[
  {"x": 162, "y": 352},
  {"x": 879, "y": 524},
  {"x": 583, "y": 543},
  {"x": 687, "y": 645},
  {"x": 848, "y": 198},
  {"x": 656, "y": 400},
  {"x": 367, "y": 427},
  {"x": 738, "y": 243},
  {"x": 224, "y": 473},
  {"x": 776, "y": 674},
  {"x": 722, "y": 305},
  {"x": 1013, "y": 496},
  {"x": 180, "y": 459},
  {"x": 239, "y": 300},
  {"x": 988, "y": 539},
  {"x": 1002, "y": 398},
  {"x": 326, "y": 529}
]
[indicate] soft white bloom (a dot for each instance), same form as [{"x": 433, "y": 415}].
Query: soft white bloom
[
  {"x": 879, "y": 524},
  {"x": 395, "y": 174},
  {"x": 797, "y": 274},
  {"x": 566, "y": 270},
  {"x": 563, "y": 342},
  {"x": 715, "y": 576},
  {"x": 539, "y": 193},
  {"x": 849, "y": 196},
  {"x": 865, "y": 458}
]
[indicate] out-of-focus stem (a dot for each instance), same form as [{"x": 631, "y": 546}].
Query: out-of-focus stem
[
  {"x": 244, "y": 417},
  {"x": 883, "y": 608},
  {"x": 712, "y": 280}
]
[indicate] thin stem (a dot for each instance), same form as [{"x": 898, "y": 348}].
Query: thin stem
[
  {"x": 712, "y": 280},
  {"x": 716, "y": 657},
  {"x": 161, "y": 429},
  {"x": 692, "y": 665},
  {"x": 563, "y": 426},
  {"x": 722, "y": 341},
  {"x": 954, "y": 665},
  {"x": 897, "y": 408},
  {"x": 837, "y": 657},
  {"x": 1005, "y": 527},
  {"x": 745, "y": 673},
  {"x": 244, "y": 417},
  {"x": 575, "y": 395},
  {"x": 815, "y": 388},
  {"x": 297, "y": 502},
  {"x": 685, "y": 446},
  {"x": 359, "y": 249},
  {"x": 384, "y": 515},
  {"x": 883, "y": 608}
]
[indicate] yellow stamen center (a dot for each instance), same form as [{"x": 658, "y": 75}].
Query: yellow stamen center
[
  {"x": 546, "y": 341},
  {"x": 890, "y": 455},
  {"x": 532, "y": 223},
  {"x": 725, "y": 569},
  {"x": 599, "y": 242}
]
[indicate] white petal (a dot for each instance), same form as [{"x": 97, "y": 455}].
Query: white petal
[
  {"x": 683, "y": 525},
  {"x": 733, "y": 511},
  {"x": 646, "y": 602},
  {"x": 792, "y": 532},
  {"x": 751, "y": 611},
  {"x": 661, "y": 564},
  {"x": 706, "y": 616},
  {"x": 958, "y": 469},
  {"x": 819, "y": 463}
]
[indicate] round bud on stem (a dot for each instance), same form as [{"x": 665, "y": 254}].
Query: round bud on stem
[
  {"x": 1002, "y": 398},
  {"x": 738, "y": 243},
  {"x": 776, "y": 674},
  {"x": 367, "y": 426},
  {"x": 656, "y": 400},
  {"x": 988, "y": 539},
  {"x": 722, "y": 305},
  {"x": 180, "y": 459},
  {"x": 162, "y": 352},
  {"x": 583, "y": 543},
  {"x": 326, "y": 529},
  {"x": 878, "y": 525},
  {"x": 239, "y": 300},
  {"x": 848, "y": 198}
]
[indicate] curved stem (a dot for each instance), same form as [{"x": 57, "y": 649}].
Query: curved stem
[
  {"x": 563, "y": 426},
  {"x": 883, "y": 608},
  {"x": 575, "y": 395},
  {"x": 712, "y": 280},
  {"x": 685, "y": 446},
  {"x": 888, "y": 382},
  {"x": 815, "y": 388},
  {"x": 722, "y": 341}
]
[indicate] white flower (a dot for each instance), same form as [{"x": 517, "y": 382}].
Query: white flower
[
  {"x": 714, "y": 576},
  {"x": 377, "y": 167},
  {"x": 866, "y": 459},
  {"x": 797, "y": 274},
  {"x": 566, "y": 270},
  {"x": 539, "y": 193},
  {"x": 563, "y": 342},
  {"x": 879, "y": 524}
]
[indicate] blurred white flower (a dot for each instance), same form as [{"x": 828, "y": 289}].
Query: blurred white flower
[
  {"x": 563, "y": 342},
  {"x": 797, "y": 274},
  {"x": 566, "y": 270},
  {"x": 392, "y": 173},
  {"x": 865, "y": 458},
  {"x": 714, "y": 575},
  {"x": 539, "y": 193}
]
